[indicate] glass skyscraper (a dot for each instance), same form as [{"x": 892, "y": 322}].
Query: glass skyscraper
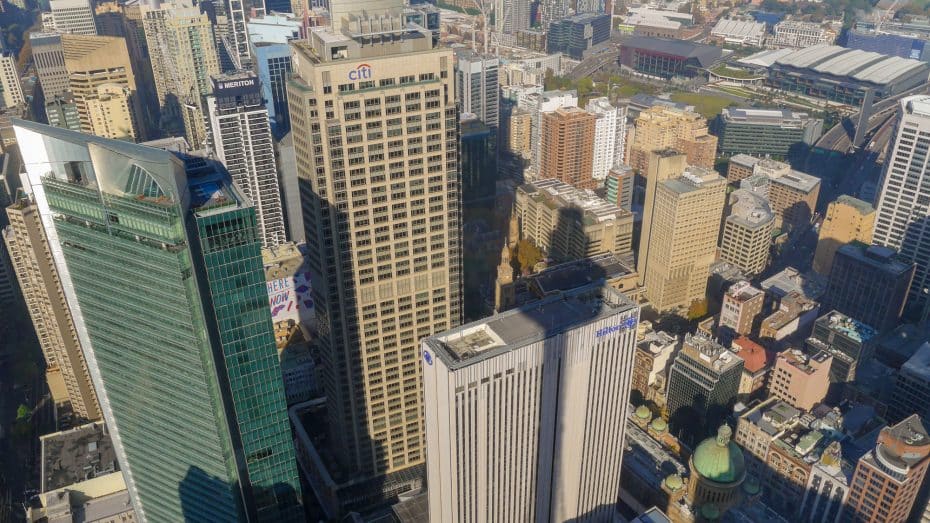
[{"x": 160, "y": 262}]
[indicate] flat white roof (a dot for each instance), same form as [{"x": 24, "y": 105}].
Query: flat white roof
[{"x": 738, "y": 28}]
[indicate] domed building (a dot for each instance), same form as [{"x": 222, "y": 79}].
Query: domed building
[{"x": 717, "y": 471}]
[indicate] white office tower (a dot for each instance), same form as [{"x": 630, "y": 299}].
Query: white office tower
[
  {"x": 545, "y": 102},
  {"x": 240, "y": 137},
  {"x": 904, "y": 203},
  {"x": 609, "y": 132},
  {"x": 478, "y": 86},
  {"x": 526, "y": 410},
  {"x": 73, "y": 16}
]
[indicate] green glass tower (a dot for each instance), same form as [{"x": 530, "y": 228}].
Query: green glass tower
[{"x": 161, "y": 264}]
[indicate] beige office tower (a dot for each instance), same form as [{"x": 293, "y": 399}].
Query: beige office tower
[
  {"x": 747, "y": 232},
  {"x": 51, "y": 317},
  {"x": 375, "y": 133},
  {"x": 683, "y": 237},
  {"x": 660, "y": 127},
  {"x": 848, "y": 219},
  {"x": 101, "y": 80},
  {"x": 661, "y": 165},
  {"x": 184, "y": 58}
]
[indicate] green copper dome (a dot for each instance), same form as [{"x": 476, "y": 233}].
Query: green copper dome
[
  {"x": 659, "y": 425},
  {"x": 642, "y": 412},
  {"x": 719, "y": 459}
]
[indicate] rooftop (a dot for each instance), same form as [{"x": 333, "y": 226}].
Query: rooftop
[
  {"x": 708, "y": 353},
  {"x": 282, "y": 260},
  {"x": 755, "y": 357},
  {"x": 694, "y": 178},
  {"x": 578, "y": 273},
  {"x": 919, "y": 363},
  {"x": 744, "y": 160},
  {"x": 516, "y": 328},
  {"x": 657, "y": 342},
  {"x": 749, "y": 209},
  {"x": 789, "y": 280},
  {"x": 76, "y": 455},
  {"x": 743, "y": 291},
  {"x": 801, "y": 361},
  {"x": 784, "y": 118},
  {"x": 861, "y": 206},
  {"x": 849, "y": 327},
  {"x": 852, "y": 64},
  {"x": 738, "y": 28},
  {"x": 705, "y": 55},
  {"x": 765, "y": 58},
  {"x": 559, "y": 194},
  {"x": 773, "y": 416},
  {"x": 881, "y": 258}
]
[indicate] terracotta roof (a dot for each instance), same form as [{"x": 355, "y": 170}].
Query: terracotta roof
[{"x": 754, "y": 355}]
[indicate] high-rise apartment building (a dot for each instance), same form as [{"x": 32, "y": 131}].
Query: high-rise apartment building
[
  {"x": 73, "y": 16},
  {"x": 682, "y": 240},
  {"x": 520, "y": 133},
  {"x": 887, "y": 479},
  {"x": 609, "y": 135},
  {"x": 567, "y": 147},
  {"x": 11, "y": 90},
  {"x": 540, "y": 103},
  {"x": 801, "y": 380},
  {"x": 184, "y": 59},
  {"x": 240, "y": 137},
  {"x": 512, "y": 17},
  {"x": 375, "y": 130},
  {"x": 51, "y": 317},
  {"x": 661, "y": 127},
  {"x": 49, "y": 60},
  {"x": 551, "y": 452},
  {"x": 848, "y": 219},
  {"x": 747, "y": 232},
  {"x": 702, "y": 386},
  {"x": 551, "y": 11},
  {"x": 897, "y": 223},
  {"x": 160, "y": 263},
  {"x": 741, "y": 307},
  {"x": 236, "y": 37},
  {"x": 869, "y": 283},
  {"x": 478, "y": 87}
]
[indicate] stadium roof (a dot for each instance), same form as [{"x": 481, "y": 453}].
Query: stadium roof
[
  {"x": 811, "y": 55},
  {"x": 854, "y": 64},
  {"x": 765, "y": 58},
  {"x": 705, "y": 54}
]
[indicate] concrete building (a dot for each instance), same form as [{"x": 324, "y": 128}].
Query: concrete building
[
  {"x": 886, "y": 482},
  {"x": 757, "y": 427},
  {"x": 741, "y": 307},
  {"x": 702, "y": 386},
  {"x": 794, "y": 315},
  {"x": 848, "y": 219},
  {"x": 681, "y": 242},
  {"x": 61, "y": 111},
  {"x": 11, "y": 90},
  {"x": 121, "y": 221},
  {"x": 897, "y": 222},
  {"x": 747, "y": 232},
  {"x": 569, "y": 224},
  {"x": 619, "y": 186},
  {"x": 825, "y": 496},
  {"x": 740, "y": 166},
  {"x": 912, "y": 387},
  {"x": 567, "y": 147},
  {"x": 240, "y": 137},
  {"x": 609, "y": 135},
  {"x": 661, "y": 127},
  {"x": 579, "y": 35},
  {"x": 268, "y": 40},
  {"x": 650, "y": 363},
  {"x": 757, "y": 364},
  {"x": 801, "y": 380},
  {"x": 739, "y": 32},
  {"x": 666, "y": 58},
  {"x": 764, "y": 132},
  {"x": 50, "y": 63},
  {"x": 800, "y": 35},
  {"x": 73, "y": 17},
  {"x": 406, "y": 86},
  {"x": 40, "y": 284},
  {"x": 844, "y": 338},
  {"x": 870, "y": 284},
  {"x": 478, "y": 87},
  {"x": 559, "y": 445},
  {"x": 540, "y": 103},
  {"x": 520, "y": 133},
  {"x": 102, "y": 499},
  {"x": 791, "y": 194}
]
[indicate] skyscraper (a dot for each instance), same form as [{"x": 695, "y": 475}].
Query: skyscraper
[
  {"x": 526, "y": 410},
  {"x": 41, "y": 289},
  {"x": 848, "y": 219},
  {"x": 49, "y": 60},
  {"x": 478, "y": 87},
  {"x": 11, "y": 91},
  {"x": 869, "y": 283},
  {"x": 609, "y": 135},
  {"x": 747, "y": 232},
  {"x": 898, "y": 222},
  {"x": 567, "y": 147},
  {"x": 160, "y": 263},
  {"x": 374, "y": 123},
  {"x": 887, "y": 479},
  {"x": 73, "y": 16},
  {"x": 240, "y": 137},
  {"x": 269, "y": 37}
]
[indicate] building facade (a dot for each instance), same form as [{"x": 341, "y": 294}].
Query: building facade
[
  {"x": 747, "y": 232},
  {"x": 870, "y": 284},
  {"x": 478, "y": 87},
  {"x": 578, "y": 35},
  {"x": 609, "y": 135},
  {"x": 799, "y": 35},
  {"x": 73, "y": 16},
  {"x": 567, "y": 147},
  {"x": 763, "y": 132},
  {"x": 800, "y": 380},
  {"x": 50, "y": 63},
  {"x": 11, "y": 91},
  {"x": 661, "y": 127},
  {"x": 741, "y": 307},
  {"x": 848, "y": 219}
]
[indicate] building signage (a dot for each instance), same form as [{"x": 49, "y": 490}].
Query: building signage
[
  {"x": 628, "y": 323},
  {"x": 289, "y": 298},
  {"x": 427, "y": 357},
  {"x": 361, "y": 72}
]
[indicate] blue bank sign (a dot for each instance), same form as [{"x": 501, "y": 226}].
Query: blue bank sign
[{"x": 628, "y": 323}]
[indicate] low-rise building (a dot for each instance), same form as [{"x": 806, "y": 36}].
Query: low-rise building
[
  {"x": 742, "y": 305},
  {"x": 739, "y": 32},
  {"x": 756, "y": 366},
  {"x": 794, "y": 315},
  {"x": 846, "y": 339},
  {"x": 650, "y": 362},
  {"x": 763, "y": 132},
  {"x": 801, "y": 380},
  {"x": 799, "y": 35},
  {"x": 809, "y": 284}
]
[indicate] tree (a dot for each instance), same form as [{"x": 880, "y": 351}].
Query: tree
[
  {"x": 23, "y": 412},
  {"x": 528, "y": 255},
  {"x": 698, "y": 309}
]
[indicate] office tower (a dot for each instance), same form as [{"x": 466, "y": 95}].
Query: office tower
[
  {"x": 103, "y": 85},
  {"x": 791, "y": 194},
  {"x": 849, "y": 342},
  {"x": 396, "y": 207},
  {"x": 619, "y": 185},
  {"x": 575, "y": 37},
  {"x": 51, "y": 317},
  {"x": 847, "y": 220},
  {"x": 269, "y": 37},
  {"x": 477, "y": 86},
  {"x": 869, "y": 283},
  {"x": 886, "y": 481},
  {"x": 741, "y": 306},
  {"x": 240, "y": 137},
  {"x": 73, "y": 16},
  {"x": 747, "y": 232},
  {"x": 682, "y": 240},
  {"x": 50, "y": 63},
  {"x": 912, "y": 387},
  {"x": 569, "y": 224},
  {"x": 702, "y": 386},
  {"x": 609, "y": 133},
  {"x": 191, "y": 393},
  {"x": 662, "y": 165},
  {"x": 897, "y": 223},
  {"x": 551, "y": 452},
  {"x": 801, "y": 380},
  {"x": 184, "y": 59},
  {"x": 477, "y": 147},
  {"x": 763, "y": 132},
  {"x": 61, "y": 111},
  {"x": 660, "y": 127},
  {"x": 10, "y": 88},
  {"x": 567, "y": 147}
]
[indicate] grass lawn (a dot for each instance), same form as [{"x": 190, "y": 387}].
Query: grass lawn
[
  {"x": 733, "y": 73},
  {"x": 708, "y": 106}
]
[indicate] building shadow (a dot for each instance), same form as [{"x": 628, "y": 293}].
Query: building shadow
[{"x": 199, "y": 490}]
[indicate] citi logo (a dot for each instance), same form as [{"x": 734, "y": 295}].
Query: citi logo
[{"x": 361, "y": 72}]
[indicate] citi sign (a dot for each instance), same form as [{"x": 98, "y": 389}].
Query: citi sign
[{"x": 361, "y": 72}]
